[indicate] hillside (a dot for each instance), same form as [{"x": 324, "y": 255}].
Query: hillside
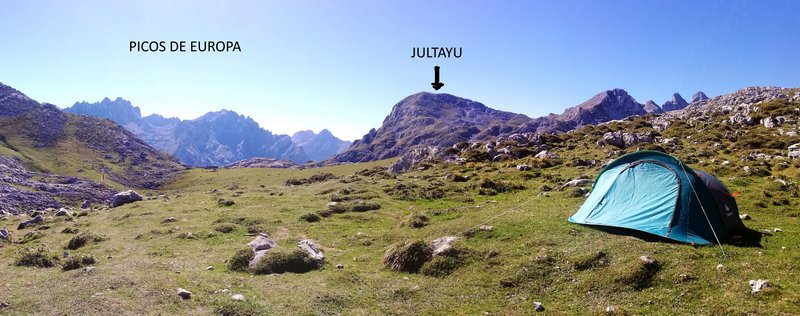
[
  {"x": 57, "y": 157},
  {"x": 513, "y": 246},
  {"x": 214, "y": 139},
  {"x": 442, "y": 120}
]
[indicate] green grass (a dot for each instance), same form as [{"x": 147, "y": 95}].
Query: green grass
[{"x": 531, "y": 254}]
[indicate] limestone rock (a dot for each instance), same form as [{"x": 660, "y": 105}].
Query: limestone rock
[
  {"x": 184, "y": 294},
  {"x": 546, "y": 154},
  {"x": 125, "y": 197},
  {"x": 759, "y": 285},
  {"x": 794, "y": 151},
  {"x": 442, "y": 244},
  {"x": 312, "y": 249},
  {"x": 61, "y": 212}
]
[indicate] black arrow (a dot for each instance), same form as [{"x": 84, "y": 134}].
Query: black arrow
[{"x": 436, "y": 84}]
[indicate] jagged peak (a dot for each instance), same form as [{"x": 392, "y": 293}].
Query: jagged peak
[{"x": 699, "y": 96}]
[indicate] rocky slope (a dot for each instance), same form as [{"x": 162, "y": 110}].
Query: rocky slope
[
  {"x": 426, "y": 119},
  {"x": 216, "y": 138},
  {"x": 49, "y": 156},
  {"x": 756, "y": 125},
  {"x": 319, "y": 146},
  {"x": 442, "y": 120}
]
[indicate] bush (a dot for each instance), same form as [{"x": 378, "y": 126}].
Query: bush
[
  {"x": 79, "y": 261},
  {"x": 362, "y": 206},
  {"x": 408, "y": 256},
  {"x": 82, "y": 239},
  {"x": 36, "y": 257},
  {"x": 491, "y": 187},
  {"x": 241, "y": 260},
  {"x": 310, "y": 217},
  {"x": 444, "y": 264},
  {"x": 31, "y": 236},
  {"x": 225, "y": 227},
  {"x": 281, "y": 261},
  {"x": 418, "y": 220},
  {"x": 224, "y": 202},
  {"x": 70, "y": 230}
]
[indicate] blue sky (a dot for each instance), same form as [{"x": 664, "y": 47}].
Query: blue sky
[{"x": 341, "y": 65}]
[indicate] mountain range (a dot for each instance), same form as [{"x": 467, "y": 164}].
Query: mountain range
[
  {"x": 443, "y": 120},
  {"x": 52, "y": 158},
  {"x": 214, "y": 139}
]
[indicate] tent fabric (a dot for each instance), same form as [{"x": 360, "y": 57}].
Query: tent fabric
[{"x": 656, "y": 193}]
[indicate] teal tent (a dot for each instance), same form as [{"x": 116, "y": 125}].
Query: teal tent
[{"x": 656, "y": 193}]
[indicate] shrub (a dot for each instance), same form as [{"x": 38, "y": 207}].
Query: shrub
[
  {"x": 361, "y": 206},
  {"x": 281, "y": 261},
  {"x": 31, "y": 236},
  {"x": 241, "y": 260},
  {"x": 418, "y": 220},
  {"x": 70, "y": 230},
  {"x": 444, "y": 264},
  {"x": 310, "y": 217},
  {"x": 225, "y": 227},
  {"x": 36, "y": 257},
  {"x": 224, "y": 202},
  {"x": 79, "y": 261},
  {"x": 408, "y": 256},
  {"x": 82, "y": 239}
]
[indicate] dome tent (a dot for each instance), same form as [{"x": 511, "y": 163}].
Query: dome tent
[{"x": 656, "y": 193}]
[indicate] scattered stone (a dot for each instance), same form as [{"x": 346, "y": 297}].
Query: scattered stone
[
  {"x": 720, "y": 267},
  {"x": 86, "y": 204},
  {"x": 576, "y": 183},
  {"x": 209, "y": 268},
  {"x": 794, "y": 151},
  {"x": 611, "y": 309},
  {"x": 523, "y": 167},
  {"x": 4, "y": 305},
  {"x": 777, "y": 230},
  {"x": 486, "y": 228},
  {"x": 262, "y": 242},
  {"x": 184, "y": 294},
  {"x": 745, "y": 217},
  {"x": 757, "y": 286},
  {"x": 442, "y": 244},
  {"x": 537, "y": 306},
  {"x": 746, "y": 169},
  {"x": 33, "y": 221},
  {"x": 546, "y": 154},
  {"x": 261, "y": 245},
  {"x": 648, "y": 260},
  {"x": 340, "y": 266},
  {"x": 312, "y": 249},
  {"x": 62, "y": 212},
  {"x": 125, "y": 197},
  {"x": 237, "y": 297},
  {"x": 3, "y": 234},
  {"x": 169, "y": 220}
]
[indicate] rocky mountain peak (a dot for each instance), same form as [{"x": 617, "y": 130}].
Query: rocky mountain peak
[
  {"x": 651, "y": 106},
  {"x": 118, "y": 110},
  {"x": 605, "y": 106},
  {"x": 699, "y": 96},
  {"x": 676, "y": 103}
]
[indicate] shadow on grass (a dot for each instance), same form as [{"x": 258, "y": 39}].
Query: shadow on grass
[{"x": 744, "y": 237}]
